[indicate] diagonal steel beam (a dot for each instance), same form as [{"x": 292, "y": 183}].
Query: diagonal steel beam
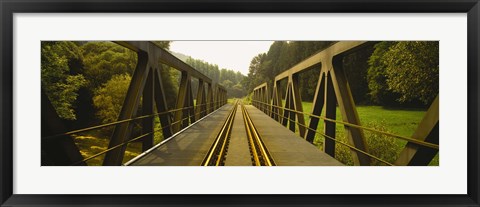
[
  {"x": 318, "y": 101},
  {"x": 347, "y": 108},
  {"x": 129, "y": 109},
  {"x": 427, "y": 130},
  {"x": 161, "y": 104},
  {"x": 297, "y": 104}
]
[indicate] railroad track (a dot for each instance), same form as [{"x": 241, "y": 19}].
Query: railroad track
[
  {"x": 258, "y": 150},
  {"x": 219, "y": 149},
  {"x": 216, "y": 154}
]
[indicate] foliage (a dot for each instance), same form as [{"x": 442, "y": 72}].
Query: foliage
[
  {"x": 355, "y": 66},
  {"x": 377, "y": 77},
  {"x": 381, "y": 146},
  {"x": 162, "y": 44},
  {"x": 108, "y": 99},
  {"x": 58, "y": 83},
  {"x": 413, "y": 70},
  {"x": 406, "y": 71},
  {"x": 103, "y": 60}
]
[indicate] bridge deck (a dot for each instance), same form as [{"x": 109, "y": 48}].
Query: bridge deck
[
  {"x": 287, "y": 148},
  {"x": 238, "y": 150},
  {"x": 189, "y": 147}
]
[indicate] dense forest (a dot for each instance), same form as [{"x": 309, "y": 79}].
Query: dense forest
[{"x": 402, "y": 74}]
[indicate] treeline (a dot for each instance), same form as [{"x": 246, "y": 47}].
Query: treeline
[
  {"x": 386, "y": 73},
  {"x": 230, "y": 79}
]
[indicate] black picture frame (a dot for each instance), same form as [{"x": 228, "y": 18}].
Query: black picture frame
[{"x": 9, "y": 7}]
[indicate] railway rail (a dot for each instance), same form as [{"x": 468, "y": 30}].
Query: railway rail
[
  {"x": 258, "y": 151},
  {"x": 216, "y": 154}
]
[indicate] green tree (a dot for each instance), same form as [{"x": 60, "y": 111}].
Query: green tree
[
  {"x": 377, "y": 76},
  {"x": 103, "y": 60},
  {"x": 108, "y": 98},
  {"x": 413, "y": 70},
  {"x": 406, "y": 71},
  {"x": 60, "y": 86}
]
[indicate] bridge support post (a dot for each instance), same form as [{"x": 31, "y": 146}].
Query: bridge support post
[
  {"x": 181, "y": 100},
  {"x": 215, "y": 98},
  {"x": 161, "y": 104},
  {"x": 209, "y": 98},
  {"x": 291, "y": 106},
  {"x": 263, "y": 99},
  {"x": 318, "y": 102},
  {"x": 347, "y": 108},
  {"x": 191, "y": 109},
  {"x": 147, "y": 109},
  {"x": 297, "y": 105},
  {"x": 200, "y": 104},
  {"x": 254, "y": 98},
  {"x": 330, "y": 113},
  {"x": 286, "y": 112},
  {"x": 277, "y": 102}
]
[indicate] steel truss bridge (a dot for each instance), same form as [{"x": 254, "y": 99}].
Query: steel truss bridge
[{"x": 208, "y": 131}]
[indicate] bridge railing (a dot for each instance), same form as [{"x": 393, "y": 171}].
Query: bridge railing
[
  {"x": 332, "y": 89},
  {"x": 146, "y": 85}
]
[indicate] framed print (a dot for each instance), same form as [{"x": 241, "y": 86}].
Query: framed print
[{"x": 316, "y": 103}]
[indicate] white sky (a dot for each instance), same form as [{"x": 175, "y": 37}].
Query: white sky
[{"x": 233, "y": 55}]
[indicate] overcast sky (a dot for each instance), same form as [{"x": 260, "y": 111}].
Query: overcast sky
[{"x": 234, "y": 55}]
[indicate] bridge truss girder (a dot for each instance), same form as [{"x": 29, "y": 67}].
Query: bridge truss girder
[
  {"x": 146, "y": 86},
  {"x": 332, "y": 89},
  {"x": 152, "y": 57}
]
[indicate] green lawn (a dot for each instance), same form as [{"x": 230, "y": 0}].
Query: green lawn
[{"x": 398, "y": 121}]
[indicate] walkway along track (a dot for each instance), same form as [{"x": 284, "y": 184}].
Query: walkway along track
[{"x": 218, "y": 151}]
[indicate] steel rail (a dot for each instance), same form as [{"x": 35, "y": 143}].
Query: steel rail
[
  {"x": 258, "y": 148},
  {"x": 216, "y": 153},
  {"x": 253, "y": 149}
]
